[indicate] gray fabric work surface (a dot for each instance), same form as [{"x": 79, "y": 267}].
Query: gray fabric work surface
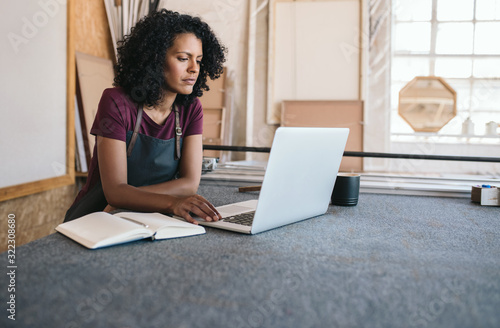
[{"x": 390, "y": 261}]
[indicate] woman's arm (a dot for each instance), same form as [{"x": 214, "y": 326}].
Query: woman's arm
[{"x": 113, "y": 170}]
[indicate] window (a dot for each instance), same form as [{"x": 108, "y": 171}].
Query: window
[{"x": 459, "y": 41}]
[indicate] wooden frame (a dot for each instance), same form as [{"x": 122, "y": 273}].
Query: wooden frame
[
  {"x": 94, "y": 75},
  {"x": 350, "y": 46},
  {"x": 68, "y": 177},
  {"x": 427, "y": 109}
]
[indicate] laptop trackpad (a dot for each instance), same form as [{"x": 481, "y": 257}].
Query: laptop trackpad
[{"x": 234, "y": 209}]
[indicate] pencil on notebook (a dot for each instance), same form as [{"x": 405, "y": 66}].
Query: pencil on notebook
[{"x": 249, "y": 188}]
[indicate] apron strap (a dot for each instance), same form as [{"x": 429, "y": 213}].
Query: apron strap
[
  {"x": 136, "y": 131},
  {"x": 178, "y": 134}
]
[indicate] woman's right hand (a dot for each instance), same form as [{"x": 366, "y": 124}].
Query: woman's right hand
[{"x": 185, "y": 206}]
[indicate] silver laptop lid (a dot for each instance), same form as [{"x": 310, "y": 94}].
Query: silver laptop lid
[{"x": 300, "y": 175}]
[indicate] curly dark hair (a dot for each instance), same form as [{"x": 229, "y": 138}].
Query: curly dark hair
[{"x": 141, "y": 56}]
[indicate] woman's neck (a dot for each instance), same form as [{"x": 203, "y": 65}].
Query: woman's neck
[
  {"x": 160, "y": 112},
  {"x": 167, "y": 102}
]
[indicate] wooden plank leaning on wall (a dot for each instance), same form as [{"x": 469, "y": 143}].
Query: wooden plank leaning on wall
[{"x": 332, "y": 113}]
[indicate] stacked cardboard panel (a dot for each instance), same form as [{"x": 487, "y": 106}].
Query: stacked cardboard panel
[{"x": 214, "y": 115}]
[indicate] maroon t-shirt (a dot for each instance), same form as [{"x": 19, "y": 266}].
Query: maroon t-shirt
[{"x": 117, "y": 114}]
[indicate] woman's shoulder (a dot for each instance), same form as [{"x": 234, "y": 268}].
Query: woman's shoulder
[
  {"x": 116, "y": 105},
  {"x": 117, "y": 97},
  {"x": 194, "y": 106},
  {"x": 192, "y": 118},
  {"x": 115, "y": 93},
  {"x": 193, "y": 111}
]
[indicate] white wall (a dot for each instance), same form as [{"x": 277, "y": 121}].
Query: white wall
[{"x": 33, "y": 82}]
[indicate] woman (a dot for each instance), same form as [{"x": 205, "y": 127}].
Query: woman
[{"x": 148, "y": 152}]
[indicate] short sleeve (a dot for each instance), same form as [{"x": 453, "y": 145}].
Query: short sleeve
[
  {"x": 109, "y": 121},
  {"x": 194, "y": 119}
]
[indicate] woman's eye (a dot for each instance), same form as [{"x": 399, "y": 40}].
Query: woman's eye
[{"x": 182, "y": 59}]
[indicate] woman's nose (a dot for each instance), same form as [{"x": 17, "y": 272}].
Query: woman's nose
[{"x": 194, "y": 66}]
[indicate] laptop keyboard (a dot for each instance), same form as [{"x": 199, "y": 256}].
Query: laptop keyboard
[{"x": 245, "y": 219}]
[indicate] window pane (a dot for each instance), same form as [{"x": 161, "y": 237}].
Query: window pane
[
  {"x": 411, "y": 10},
  {"x": 487, "y": 67},
  {"x": 480, "y": 120},
  {"x": 462, "y": 88},
  {"x": 453, "y": 67},
  {"x": 395, "y": 88},
  {"x": 487, "y": 38},
  {"x": 454, "y": 126},
  {"x": 449, "y": 10},
  {"x": 405, "y": 69},
  {"x": 412, "y": 37},
  {"x": 486, "y": 95},
  {"x": 487, "y": 9},
  {"x": 454, "y": 38},
  {"x": 399, "y": 125}
]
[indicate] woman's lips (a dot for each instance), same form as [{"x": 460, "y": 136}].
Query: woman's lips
[{"x": 189, "y": 81}]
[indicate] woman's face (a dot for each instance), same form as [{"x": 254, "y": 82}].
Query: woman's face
[{"x": 182, "y": 64}]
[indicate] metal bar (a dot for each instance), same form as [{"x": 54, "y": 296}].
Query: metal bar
[
  {"x": 368, "y": 154},
  {"x": 237, "y": 148}
]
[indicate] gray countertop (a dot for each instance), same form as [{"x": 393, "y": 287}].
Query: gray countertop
[{"x": 390, "y": 261}]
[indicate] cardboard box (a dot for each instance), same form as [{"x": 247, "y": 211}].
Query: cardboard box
[
  {"x": 330, "y": 113},
  {"x": 214, "y": 98},
  {"x": 486, "y": 196}
]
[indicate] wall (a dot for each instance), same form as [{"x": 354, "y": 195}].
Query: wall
[{"x": 37, "y": 215}]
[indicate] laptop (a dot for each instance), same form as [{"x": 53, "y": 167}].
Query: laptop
[{"x": 298, "y": 182}]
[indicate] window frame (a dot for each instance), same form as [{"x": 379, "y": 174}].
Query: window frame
[{"x": 465, "y": 109}]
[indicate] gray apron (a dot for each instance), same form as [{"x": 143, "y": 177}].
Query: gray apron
[{"x": 149, "y": 161}]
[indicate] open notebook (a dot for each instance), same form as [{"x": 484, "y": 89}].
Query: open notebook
[{"x": 101, "y": 229}]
